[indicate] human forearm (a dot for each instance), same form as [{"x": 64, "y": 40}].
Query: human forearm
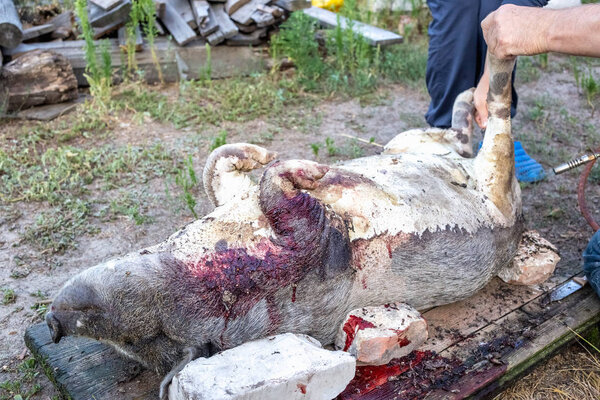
[
  {"x": 576, "y": 31},
  {"x": 512, "y": 30}
]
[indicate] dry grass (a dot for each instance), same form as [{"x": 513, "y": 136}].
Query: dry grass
[{"x": 574, "y": 374}]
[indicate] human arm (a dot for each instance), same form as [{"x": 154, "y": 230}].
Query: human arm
[{"x": 513, "y": 30}]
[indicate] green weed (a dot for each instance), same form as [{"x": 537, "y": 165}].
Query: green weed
[
  {"x": 315, "y": 147},
  {"x": 98, "y": 75},
  {"x": 8, "y": 296},
  {"x": 146, "y": 11},
  {"x": 16, "y": 389},
  {"x": 219, "y": 140},
  {"x": 186, "y": 182},
  {"x": 332, "y": 149}
]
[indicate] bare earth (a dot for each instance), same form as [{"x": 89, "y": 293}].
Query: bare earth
[{"x": 554, "y": 123}]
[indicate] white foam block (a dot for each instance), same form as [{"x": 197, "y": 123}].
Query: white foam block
[{"x": 286, "y": 366}]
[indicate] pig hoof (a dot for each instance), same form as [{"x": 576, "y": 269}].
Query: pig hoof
[
  {"x": 534, "y": 262},
  {"x": 223, "y": 175},
  {"x": 190, "y": 354}
]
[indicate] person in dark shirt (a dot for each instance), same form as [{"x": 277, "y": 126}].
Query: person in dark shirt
[{"x": 456, "y": 62}]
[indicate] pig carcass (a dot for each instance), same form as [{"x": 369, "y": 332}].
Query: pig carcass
[{"x": 422, "y": 223}]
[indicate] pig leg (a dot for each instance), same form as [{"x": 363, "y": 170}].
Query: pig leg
[
  {"x": 461, "y": 134},
  {"x": 224, "y": 173},
  {"x": 314, "y": 236},
  {"x": 190, "y": 354}
]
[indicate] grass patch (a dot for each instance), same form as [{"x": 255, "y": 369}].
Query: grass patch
[
  {"x": 8, "y": 296},
  {"x": 22, "y": 388}
]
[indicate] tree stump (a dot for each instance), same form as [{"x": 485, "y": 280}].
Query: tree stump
[
  {"x": 35, "y": 78},
  {"x": 11, "y": 30}
]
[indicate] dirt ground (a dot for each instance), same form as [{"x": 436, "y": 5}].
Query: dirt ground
[{"x": 554, "y": 122}]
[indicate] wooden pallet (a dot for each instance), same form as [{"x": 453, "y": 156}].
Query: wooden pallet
[{"x": 476, "y": 347}]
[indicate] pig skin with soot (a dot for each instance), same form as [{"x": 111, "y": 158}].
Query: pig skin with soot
[{"x": 422, "y": 224}]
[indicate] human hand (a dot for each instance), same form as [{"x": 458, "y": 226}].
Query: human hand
[
  {"x": 513, "y": 30},
  {"x": 480, "y": 98}
]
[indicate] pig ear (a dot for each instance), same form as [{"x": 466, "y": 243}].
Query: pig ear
[{"x": 224, "y": 173}]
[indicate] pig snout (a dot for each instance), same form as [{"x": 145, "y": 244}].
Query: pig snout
[{"x": 54, "y": 326}]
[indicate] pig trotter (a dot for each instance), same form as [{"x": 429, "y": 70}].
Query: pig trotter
[
  {"x": 303, "y": 225},
  {"x": 223, "y": 175},
  {"x": 190, "y": 354}
]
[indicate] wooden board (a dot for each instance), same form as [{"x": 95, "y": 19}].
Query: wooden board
[
  {"x": 139, "y": 42},
  {"x": 50, "y": 111},
  {"x": 226, "y": 61},
  {"x": 374, "y": 36},
  {"x": 106, "y": 4},
  {"x": 99, "y": 17},
  {"x": 292, "y": 5},
  {"x": 244, "y": 14},
  {"x": 200, "y": 10},
  {"x": 83, "y": 369},
  {"x": 176, "y": 25},
  {"x": 185, "y": 10},
  {"x": 37, "y": 31},
  {"x": 506, "y": 330}
]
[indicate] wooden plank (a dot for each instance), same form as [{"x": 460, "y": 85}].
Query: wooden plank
[
  {"x": 122, "y": 37},
  {"x": 210, "y": 24},
  {"x": 11, "y": 30},
  {"x": 244, "y": 14},
  {"x": 226, "y": 26},
  {"x": 226, "y": 61},
  {"x": 106, "y": 4},
  {"x": 451, "y": 323},
  {"x": 215, "y": 38},
  {"x": 200, "y": 10},
  {"x": 246, "y": 28},
  {"x": 36, "y": 31},
  {"x": 373, "y": 35},
  {"x": 292, "y": 5},
  {"x": 102, "y": 31},
  {"x": 50, "y": 111},
  {"x": 99, "y": 17},
  {"x": 63, "y": 25},
  {"x": 178, "y": 28},
  {"x": 262, "y": 19},
  {"x": 232, "y": 6},
  {"x": 185, "y": 10},
  {"x": 83, "y": 369},
  {"x": 255, "y": 38}
]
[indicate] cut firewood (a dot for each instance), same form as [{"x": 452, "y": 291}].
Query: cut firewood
[
  {"x": 210, "y": 24},
  {"x": 292, "y": 5},
  {"x": 106, "y": 4},
  {"x": 36, "y": 31},
  {"x": 100, "y": 18},
  {"x": 375, "y": 36},
  {"x": 226, "y": 25},
  {"x": 255, "y": 38},
  {"x": 139, "y": 43},
  {"x": 244, "y": 14},
  {"x": 11, "y": 30},
  {"x": 184, "y": 9},
  {"x": 200, "y": 10},
  {"x": 232, "y": 6},
  {"x": 63, "y": 25},
  {"x": 262, "y": 19},
  {"x": 178, "y": 28},
  {"x": 38, "y": 77}
]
